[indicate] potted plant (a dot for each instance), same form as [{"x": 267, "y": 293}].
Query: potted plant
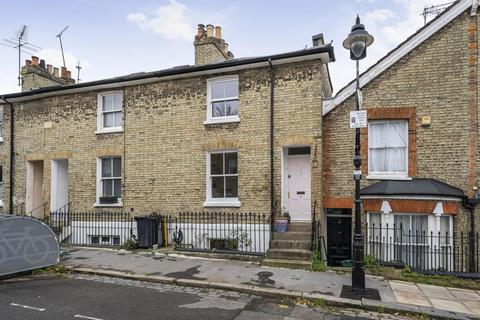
[{"x": 282, "y": 221}]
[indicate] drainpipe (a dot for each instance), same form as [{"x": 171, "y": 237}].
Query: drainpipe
[
  {"x": 469, "y": 204},
  {"x": 10, "y": 196},
  {"x": 272, "y": 181}
]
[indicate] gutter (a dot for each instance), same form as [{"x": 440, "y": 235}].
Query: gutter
[
  {"x": 272, "y": 180},
  {"x": 10, "y": 182}
]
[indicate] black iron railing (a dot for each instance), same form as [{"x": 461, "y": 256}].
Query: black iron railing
[
  {"x": 103, "y": 229},
  {"x": 440, "y": 252},
  {"x": 246, "y": 233}
]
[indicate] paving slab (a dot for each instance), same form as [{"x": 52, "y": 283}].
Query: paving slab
[
  {"x": 450, "y": 305},
  {"x": 473, "y": 306},
  {"x": 405, "y": 286},
  {"x": 417, "y": 299},
  {"x": 463, "y": 294},
  {"x": 436, "y": 292}
]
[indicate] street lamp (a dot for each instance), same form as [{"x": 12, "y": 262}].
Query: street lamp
[{"x": 357, "y": 43}]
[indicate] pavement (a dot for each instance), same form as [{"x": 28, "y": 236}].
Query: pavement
[
  {"x": 92, "y": 297},
  {"x": 251, "y": 278}
]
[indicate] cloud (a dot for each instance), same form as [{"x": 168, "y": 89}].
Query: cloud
[
  {"x": 379, "y": 15},
  {"x": 171, "y": 21}
]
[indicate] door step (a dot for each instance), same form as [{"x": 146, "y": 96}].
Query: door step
[
  {"x": 293, "y": 254},
  {"x": 299, "y": 227},
  {"x": 290, "y": 244},
  {"x": 292, "y": 235},
  {"x": 291, "y": 264}
]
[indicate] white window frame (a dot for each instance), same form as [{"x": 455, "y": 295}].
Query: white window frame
[
  {"x": 225, "y": 119},
  {"x": 100, "y": 128},
  {"x": 388, "y": 175},
  {"x": 99, "y": 184},
  {"x": 219, "y": 202}
]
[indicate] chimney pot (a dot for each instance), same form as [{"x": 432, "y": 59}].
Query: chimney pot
[
  {"x": 218, "y": 32},
  {"x": 201, "y": 30},
  {"x": 55, "y": 72},
  {"x": 209, "y": 30},
  {"x": 34, "y": 61},
  {"x": 68, "y": 74},
  {"x": 28, "y": 62},
  {"x": 42, "y": 63},
  {"x": 63, "y": 72},
  {"x": 50, "y": 69}
]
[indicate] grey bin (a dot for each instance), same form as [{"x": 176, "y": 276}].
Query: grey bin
[
  {"x": 148, "y": 231},
  {"x": 26, "y": 244}
]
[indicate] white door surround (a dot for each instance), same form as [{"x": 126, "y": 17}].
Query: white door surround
[
  {"x": 34, "y": 190},
  {"x": 296, "y": 182},
  {"x": 59, "y": 187}
]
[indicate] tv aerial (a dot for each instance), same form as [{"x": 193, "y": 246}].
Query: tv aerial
[
  {"x": 20, "y": 43},
  {"x": 59, "y": 36}
]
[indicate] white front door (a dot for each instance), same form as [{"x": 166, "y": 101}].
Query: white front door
[
  {"x": 298, "y": 187},
  {"x": 59, "y": 187}
]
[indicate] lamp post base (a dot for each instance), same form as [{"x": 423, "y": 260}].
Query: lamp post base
[{"x": 358, "y": 294}]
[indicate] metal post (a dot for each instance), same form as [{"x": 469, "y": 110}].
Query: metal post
[{"x": 358, "y": 268}]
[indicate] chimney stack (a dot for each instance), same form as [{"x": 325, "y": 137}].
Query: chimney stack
[
  {"x": 209, "y": 45},
  {"x": 37, "y": 74}
]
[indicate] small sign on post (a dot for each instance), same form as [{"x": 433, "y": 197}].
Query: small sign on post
[{"x": 358, "y": 119}]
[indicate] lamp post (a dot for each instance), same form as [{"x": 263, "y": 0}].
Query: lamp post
[{"x": 357, "y": 42}]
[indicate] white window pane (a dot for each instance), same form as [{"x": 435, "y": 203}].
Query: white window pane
[
  {"x": 378, "y": 160},
  {"x": 231, "y": 163},
  {"x": 397, "y": 134},
  {"x": 231, "y": 187},
  {"x": 396, "y": 160},
  {"x": 231, "y": 108},
  {"x": 218, "y": 187},
  {"x": 107, "y": 188},
  {"x": 402, "y": 222},
  {"x": 107, "y": 103},
  {"x": 108, "y": 120},
  {"x": 117, "y": 167},
  {"x": 378, "y": 135},
  {"x": 218, "y": 109},
  {"x": 117, "y": 187},
  {"x": 217, "y": 90},
  {"x": 117, "y": 122},
  {"x": 117, "y": 102},
  {"x": 231, "y": 89},
  {"x": 216, "y": 163},
  {"x": 106, "y": 167}
]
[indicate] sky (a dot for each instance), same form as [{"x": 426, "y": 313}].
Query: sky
[{"x": 118, "y": 37}]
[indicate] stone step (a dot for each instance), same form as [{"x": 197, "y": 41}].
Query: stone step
[
  {"x": 299, "y": 227},
  {"x": 291, "y": 264},
  {"x": 290, "y": 244},
  {"x": 294, "y": 254},
  {"x": 292, "y": 235}
]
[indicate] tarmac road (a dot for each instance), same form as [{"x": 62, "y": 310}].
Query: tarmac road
[{"x": 101, "y": 298}]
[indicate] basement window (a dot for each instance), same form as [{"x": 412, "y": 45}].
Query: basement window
[
  {"x": 110, "y": 112},
  {"x": 222, "y": 100}
]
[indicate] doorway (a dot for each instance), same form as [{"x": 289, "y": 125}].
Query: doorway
[
  {"x": 59, "y": 187},
  {"x": 339, "y": 236},
  {"x": 34, "y": 194},
  {"x": 297, "y": 183}
]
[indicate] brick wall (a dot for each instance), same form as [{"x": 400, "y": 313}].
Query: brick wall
[
  {"x": 164, "y": 143},
  {"x": 432, "y": 80}
]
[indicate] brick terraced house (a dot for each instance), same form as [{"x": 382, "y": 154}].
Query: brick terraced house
[{"x": 262, "y": 134}]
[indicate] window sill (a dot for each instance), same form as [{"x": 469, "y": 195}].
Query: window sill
[
  {"x": 108, "y": 205},
  {"x": 222, "y": 120},
  {"x": 380, "y": 177},
  {"x": 111, "y": 130},
  {"x": 234, "y": 203}
]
